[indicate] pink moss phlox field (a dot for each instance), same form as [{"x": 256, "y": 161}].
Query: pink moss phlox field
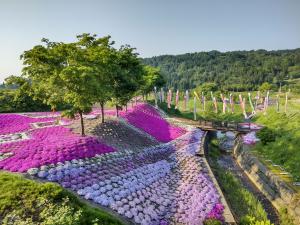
[
  {"x": 149, "y": 120},
  {"x": 13, "y": 123},
  {"x": 49, "y": 145}
]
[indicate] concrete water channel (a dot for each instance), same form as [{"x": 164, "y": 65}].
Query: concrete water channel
[{"x": 227, "y": 161}]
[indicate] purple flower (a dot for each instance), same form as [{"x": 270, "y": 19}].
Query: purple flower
[{"x": 216, "y": 212}]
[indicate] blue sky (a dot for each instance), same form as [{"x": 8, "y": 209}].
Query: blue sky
[{"x": 154, "y": 27}]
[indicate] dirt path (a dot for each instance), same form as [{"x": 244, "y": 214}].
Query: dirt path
[{"x": 228, "y": 163}]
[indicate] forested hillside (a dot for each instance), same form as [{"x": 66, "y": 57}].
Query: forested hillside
[{"x": 238, "y": 70}]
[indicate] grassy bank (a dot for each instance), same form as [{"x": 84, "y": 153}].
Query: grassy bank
[
  {"x": 284, "y": 150},
  {"x": 244, "y": 205},
  {"x": 24, "y": 201},
  {"x": 208, "y": 114}
]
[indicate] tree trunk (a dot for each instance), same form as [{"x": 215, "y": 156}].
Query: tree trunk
[
  {"x": 102, "y": 111},
  {"x": 126, "y": 107},
  {"x": 82, "y": 124},
  {"x": 117, "y": 108}
]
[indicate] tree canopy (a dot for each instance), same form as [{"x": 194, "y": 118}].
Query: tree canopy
[
  {"x": 79, "y": 74},
  {"x": 151, "y": 79}
]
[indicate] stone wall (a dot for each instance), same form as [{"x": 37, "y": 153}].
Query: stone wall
[{"x": 277, "y": 191}]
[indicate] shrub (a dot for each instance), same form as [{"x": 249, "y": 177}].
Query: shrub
[
  {"x": 266, "y": 135},
  {"x": 51, "y": 214},
  {"x": 24, "y": 202},
  {"x": 250, "y": 220}
]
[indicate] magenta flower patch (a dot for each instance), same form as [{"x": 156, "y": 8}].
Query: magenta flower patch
[
  {"x": 12, "y": 123},
  {"x": 49, "y": 145},
  {"x": 149, "y": 120},
  {"x": 216, "y": 212}
]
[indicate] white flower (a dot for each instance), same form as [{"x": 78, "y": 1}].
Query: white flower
[
  {"x": 128, "y": 214},
  {"x": 81, "y": 192},
  {"x": 88, "y": 196},
  {"x": 33, "y": 171},
  {"x": 121, "y": 211}
]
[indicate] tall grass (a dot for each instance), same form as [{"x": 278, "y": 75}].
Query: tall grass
[{"x": 244, "y": 205}]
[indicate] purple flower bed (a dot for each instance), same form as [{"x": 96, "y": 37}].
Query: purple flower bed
[
  {"x": 12, "y": 123},
  {"x": 164, "y": 184},
  {"x": 49, "y": 145},
  {"x": 148, "y": 119}
]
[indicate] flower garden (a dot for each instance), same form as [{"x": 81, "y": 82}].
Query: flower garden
[{"x": 162, "y": 184}]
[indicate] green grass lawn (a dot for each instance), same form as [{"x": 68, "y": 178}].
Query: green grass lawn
[{"x": 24, "y": 202}]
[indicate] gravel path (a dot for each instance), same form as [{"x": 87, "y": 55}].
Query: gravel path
[{"x": 227, "y": 162}]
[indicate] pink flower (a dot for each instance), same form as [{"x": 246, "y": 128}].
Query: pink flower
[
  {"x": 149, "y": 120},
  {"x": 50, "y": 145}
]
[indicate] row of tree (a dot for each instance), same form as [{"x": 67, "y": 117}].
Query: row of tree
[
  {"x": 230, "y": 71},
  {"x": 79, "y": 74}
]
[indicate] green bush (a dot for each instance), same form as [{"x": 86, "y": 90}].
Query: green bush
[
  {"x": 266, "y": 135},
  {"x": 250, "y": 220},
  {"x": 285, "y": 149},
  {"x": 50, "y": 214}
]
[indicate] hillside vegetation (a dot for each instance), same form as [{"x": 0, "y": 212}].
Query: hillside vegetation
[
  {"x": 24, "y": 201},
  {"x": 238, "y": 70},
  {"x": 284, "y": 150}
]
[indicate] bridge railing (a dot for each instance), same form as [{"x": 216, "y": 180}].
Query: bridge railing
[
  {"x": 223, "y": 125},
  {"x": 244, "y": 126}
]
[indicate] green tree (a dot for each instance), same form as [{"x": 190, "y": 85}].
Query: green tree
[
  {"x": 127, "y": 76},
  {"x": 61, "y": 73},
  {"x": 19, "y": 97},
  {"x": 43, "y": 65},
  {"x": 206, "y": 88},
  {"x": 102, "y": 58},
  {"x": 265, "y": 87},
  {"x": 152, "y": 78},
  {"x": 232, "y": 71}
]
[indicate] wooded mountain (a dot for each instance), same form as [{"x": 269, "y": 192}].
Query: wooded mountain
[{"x": 237, "y": 70}]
